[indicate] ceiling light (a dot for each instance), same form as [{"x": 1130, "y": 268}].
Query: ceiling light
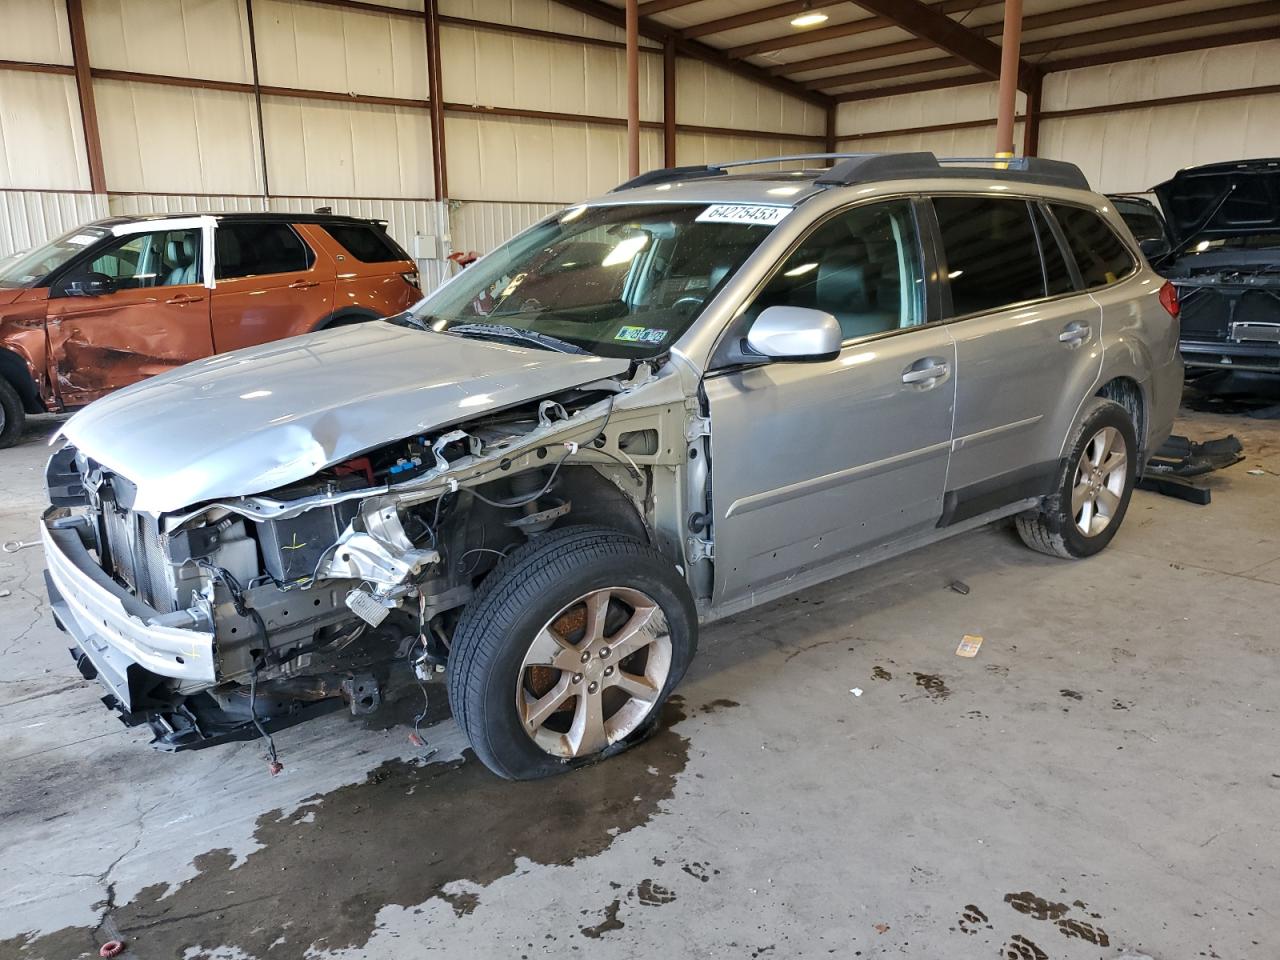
[{"x": 809, "y": 20}]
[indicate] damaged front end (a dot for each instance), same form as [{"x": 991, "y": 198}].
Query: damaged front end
[{"x": 235, "y": 616}]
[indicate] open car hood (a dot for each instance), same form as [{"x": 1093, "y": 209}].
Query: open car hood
[
  {"x": 246, "y": 422},
  {"x": 1251, "y": 189}
]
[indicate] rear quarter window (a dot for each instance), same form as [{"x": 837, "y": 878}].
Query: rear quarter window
[
  {"x": 366, "y": 242},
  {"x": 1101, "y": 255}
]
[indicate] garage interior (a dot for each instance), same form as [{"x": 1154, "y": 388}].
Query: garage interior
[{"x": 1101, "y": 780}]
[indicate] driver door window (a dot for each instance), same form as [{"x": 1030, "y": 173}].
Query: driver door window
[
  {"x": 863, "y": 267},
  {"x": 165, "y": 258}
]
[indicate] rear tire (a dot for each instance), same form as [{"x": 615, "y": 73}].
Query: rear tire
[
  {"x": 12, "y": 415},
  {"x": 1093, "y": 488},
  {"x": 568, "y": 651}
]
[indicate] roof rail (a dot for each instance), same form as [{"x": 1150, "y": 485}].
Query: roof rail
[
  {"x": 868, "y": 167},
  {"x": 671, "y": 174},
  {"x": 901, "y": 166}
]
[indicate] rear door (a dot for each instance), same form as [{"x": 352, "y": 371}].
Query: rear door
[
  {"x": 138, "y": 307},
  {"x": 271, "y": 283},
  {"x": 1027, "y": 348},
  {"x": 375, "y": 274},
  {"x": 813, "y": 462}
]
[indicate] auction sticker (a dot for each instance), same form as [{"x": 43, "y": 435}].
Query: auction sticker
[{"x": 743, "y": 213}]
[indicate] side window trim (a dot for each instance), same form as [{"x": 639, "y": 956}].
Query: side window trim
[
  {"x": 721, "y": 361},
  {"x": 936, "y": 258},
  {"x": 1060, "y": 239}
]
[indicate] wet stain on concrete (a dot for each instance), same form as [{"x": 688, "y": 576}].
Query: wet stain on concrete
[
  {"x": 720, "y": 703},
  {"x": 880, "y": 673},
  {"x": 1084, "y": 931},
  {"x": 610, "y": 922},
  {"x": 378, "y": 843},
  {"x": 1019, "y": 947},
  {"x": 1038, "y": 908},
  {"x": 653, "y": 894},
  {"x": 933, "y": 685},
  {"x": 972, "y": 918},
  {"x": 700, "y": 871}
]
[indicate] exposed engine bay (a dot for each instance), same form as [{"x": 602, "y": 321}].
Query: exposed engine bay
[{"x": 310, "y": 594}]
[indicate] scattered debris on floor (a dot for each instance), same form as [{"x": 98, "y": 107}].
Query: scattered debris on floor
[
  {"x": 856, "y": 691},
  {"x": 960, "y": 587},
  {"x": 1172, "y": 470},
  {"x": 969, "y": 646}
]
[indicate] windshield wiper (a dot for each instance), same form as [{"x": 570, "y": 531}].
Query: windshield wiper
[{"x": 501, "y": 331}]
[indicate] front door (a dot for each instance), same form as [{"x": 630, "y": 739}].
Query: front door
[
  {"x": 138, "y": 307},
  {"x": 814, "y": 462}
]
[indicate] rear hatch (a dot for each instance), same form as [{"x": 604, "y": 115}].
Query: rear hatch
[{"x": 1224, "y": 221}]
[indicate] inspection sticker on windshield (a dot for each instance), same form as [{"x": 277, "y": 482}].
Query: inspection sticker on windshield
[
  {"x": 82, "y": 239},
  {"x": 641, "y": 335},
  {"x": 743, "y": 213}
]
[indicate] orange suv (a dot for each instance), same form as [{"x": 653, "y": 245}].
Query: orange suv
[{"x": 121, "y": 299}]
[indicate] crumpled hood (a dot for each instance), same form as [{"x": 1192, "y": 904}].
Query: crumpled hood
[{"x": 246, "y": 422}]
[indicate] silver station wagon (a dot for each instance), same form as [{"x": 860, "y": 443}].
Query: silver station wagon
[{"x": 694, "y": 395}]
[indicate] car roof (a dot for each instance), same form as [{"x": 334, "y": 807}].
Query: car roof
[{"x": 243, "y": 217}]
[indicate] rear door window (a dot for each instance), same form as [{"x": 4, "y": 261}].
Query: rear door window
[
  {"x": 256, "y": 249},
  {"x": 1056, "y": 272},
  {"x": 366, "y": 242},
  {"x": 992, "y": 256},
  {"x": 1101, "y": 256}
]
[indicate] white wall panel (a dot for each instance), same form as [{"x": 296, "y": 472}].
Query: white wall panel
[
  {"x": 482, "y": 225},
  {"x": 1129, "y": 151},
  {"x": 348, "y": 51},
  {"x": 707, "y": 95},
  {"x": 318, "y": 148},
  {"x": 1178, "y": 74},
  {"x": 694, "y": 148},
  {"x": 35, "y": 30},
  {"x": 968, "y": 142},
  {"x": 180, "y": 38},
  {"x": 29, "y": 218},
  {"x": 538, "y": 14},
  {"x": 160, "y": 139},
  {"x": 502, "y": 158},
  {"x": 41, "y": 135},
  {"x": 492, "y": 69},
  {"x": 954, "y": 105},
  {"x": 135, "y": 204}
]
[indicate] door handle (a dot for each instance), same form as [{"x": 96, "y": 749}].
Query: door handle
[
  {"x": 184, "y": 298},
  {"x": 304, "y": 284},
  {"x": 1074, "y": 333},
  {"x": 927, "y": 372}
]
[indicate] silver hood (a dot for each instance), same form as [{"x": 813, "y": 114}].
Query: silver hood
[{"x": 246, "y": 422}]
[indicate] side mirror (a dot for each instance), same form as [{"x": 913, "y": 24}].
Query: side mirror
[
  {"x": 798, "y": 334},
  {"x": 1154, "y": 248},
  {"x": 90, "y": 285}
]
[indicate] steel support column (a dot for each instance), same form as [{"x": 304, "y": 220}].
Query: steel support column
[
  {"x": 669, "y": 103},
  {"x": 1006, "y": 100},
  {"x": 84, "y": 88},
  {"x": 633, "y": 88},
  {"x": 435, "y": 94}
]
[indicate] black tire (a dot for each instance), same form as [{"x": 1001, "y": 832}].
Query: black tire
[
  {"x": 1052, "y": 529},
  {"x": 12, "y": 415},
  {"x": 524, "y": 592}
]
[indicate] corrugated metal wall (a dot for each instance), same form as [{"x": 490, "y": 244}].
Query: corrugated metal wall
[{"x": 1122, "y": 151}]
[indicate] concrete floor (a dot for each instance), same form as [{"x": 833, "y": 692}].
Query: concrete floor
[{"x": 1100, "y": 780}]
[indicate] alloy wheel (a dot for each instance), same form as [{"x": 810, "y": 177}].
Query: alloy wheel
[
  {"x": 1100, "y": 478},
  {"x": 594, "y": 672}
]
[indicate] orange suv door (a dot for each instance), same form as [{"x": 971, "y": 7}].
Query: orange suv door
[
  {"x": 138, "y": 308},
  {"x": 270, "y": 283}
]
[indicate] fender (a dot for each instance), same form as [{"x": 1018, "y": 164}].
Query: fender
[{"x": 21, "y": 374}]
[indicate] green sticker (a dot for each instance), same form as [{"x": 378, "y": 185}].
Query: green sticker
[
  {"x": 629, "y": 333},
  {"x": 641, "y": 335}
]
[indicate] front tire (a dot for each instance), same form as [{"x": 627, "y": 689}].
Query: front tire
[
  {"x": 12, "y": 415},
  {"x": 1093, "y": 489},
  {"x": 568, "y": 651}
]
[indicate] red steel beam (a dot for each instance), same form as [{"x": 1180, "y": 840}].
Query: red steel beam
[
  {"x": 84, "y": 88},
  {"x": 1007, "y": 93}
]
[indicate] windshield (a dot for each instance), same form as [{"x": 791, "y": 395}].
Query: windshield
[
  {"x": 30, "y": 268},
  {"x": 617, "y": 281}
]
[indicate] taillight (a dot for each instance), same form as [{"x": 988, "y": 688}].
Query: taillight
[
  {"x": 1169, "y": 299},
  {"x": 412, "y": 278}
]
